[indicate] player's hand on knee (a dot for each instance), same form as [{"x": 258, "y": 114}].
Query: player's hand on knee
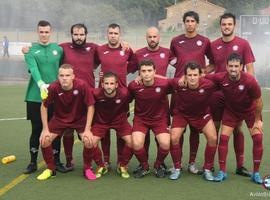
[
  {"x": 45, "y": 138},
  {"x": 88, "y": 138},
  {"x": 258, "y": 126}
]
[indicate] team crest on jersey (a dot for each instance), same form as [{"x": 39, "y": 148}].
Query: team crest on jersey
[
  {"x": 122, "y": 53},
  {"x": 55, "y": 52},
  {"x": 158, "y": 89},
  {"x": 201, "y": 90},
  {"x": 199, "y": 43},
  {"x": 162, "y": 55},
  {"x": 118, "y": 101},
  {"x": 235, "y": 47},
  {"x": 241, "y": 87},
  {"x": 75, "y": 92},
  {"x": 87, "y": 48}
]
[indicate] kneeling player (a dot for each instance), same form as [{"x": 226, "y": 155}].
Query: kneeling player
[
  {"x": 151, "y": 112},
  {"x": 73, "y": 108},
  {"x": 111, "y": 113},
  {"x": 192, "y": 108}
]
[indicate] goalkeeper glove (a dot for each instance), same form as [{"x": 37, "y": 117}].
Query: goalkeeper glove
[{"x": 43, "y": 87}]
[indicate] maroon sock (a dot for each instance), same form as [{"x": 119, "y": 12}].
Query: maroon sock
[
  {"x": 120, "y": 148},
  {"x": 68, "y": 141},
  {"x": 142, "y": 157},
  {"x": 48, "y": 157},
  {"x": 127, "y": 155},
  {"x": 86, "y": 158},
  {"x": 209, "y": 156},
  {"x": 96, "y": 155},
  {"x": 176, "y": 155},
  {"x": 181, "y": 143},
  {"x": 257, "y": 151},
  {"x": 147, "y": 143},
  {"x": 161, "y": 155},
  {"x": 239, "y": 143},
  {"x": 194, "y": 139},
  {"x": 223, "y": 151},
  {"x": 105, "y": 145}
]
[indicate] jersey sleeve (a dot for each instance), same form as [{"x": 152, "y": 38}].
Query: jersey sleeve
[
  {"x": 32, "y": 65},
  {"x": 96, "y": 57},
  {"x": 248, "y": 56},
  {"x": 133, "y": 64},
  {"x": 89, "y": 99},
  {"x": 254, "y": 90}
]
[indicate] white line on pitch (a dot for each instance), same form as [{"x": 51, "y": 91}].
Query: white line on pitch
[{"x": 12, "y": 119}]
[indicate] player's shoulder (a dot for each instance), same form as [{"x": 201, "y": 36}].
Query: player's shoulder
[
  {"x": 203, "y": 38},
  {"x": 205, "y": 83},
  {"x": 216, "y": 42},
  {"x": 98, "y": 92},
  {"x": 141, "y": 51},
  {"x": 164, "y": 49},
  {"x": 161, "y": 81},
  {"x": 177, "y": 38}
]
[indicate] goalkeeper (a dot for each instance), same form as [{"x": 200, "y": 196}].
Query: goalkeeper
[{"x": 42, "y": 61}]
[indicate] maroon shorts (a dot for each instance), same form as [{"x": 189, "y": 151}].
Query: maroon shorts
[
  {"x": 217, "y": 102},
  {"x": 182, "y": 121},
  {"x": 157, "y": 127},
  {"x": 233, "y": 120},
  {"x": 122, "y": 129},
  {"x": 58, "y": 127}
]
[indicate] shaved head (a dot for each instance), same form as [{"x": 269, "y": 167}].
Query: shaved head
[
  {"x": 152, "y": 38},
  {"x": 152, "y": 30}
]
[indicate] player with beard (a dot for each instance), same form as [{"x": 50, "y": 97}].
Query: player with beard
[
  {"x": 82, "y": 56},
  {"x": 110, "y": 113},
  {"x": 188, "y": 47},
  {"x": 221, "y": 48},
  {"x": 113, "y": 58},
  {"x": 161, "y": 56},
  {"x": 243, "y": 102}
]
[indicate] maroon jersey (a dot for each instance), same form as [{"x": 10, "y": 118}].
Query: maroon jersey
[
  {"x": 69, "y": 106},
  {"x": 190, "y": 49},
  {"x": 115, "y": 60},
  {"x": 193, "y": 103},
  {"x": 151, "y": 102},
  {"x": 239, "y": 95},
  {"x": 160, "y": 57},
  {"x": 82, "y": 59},
  {"x": 221, "y": 51},
  {"x": 111, "y": 110}
]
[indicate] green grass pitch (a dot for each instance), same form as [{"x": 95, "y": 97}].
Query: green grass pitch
[{"x": 14, "y": 140}]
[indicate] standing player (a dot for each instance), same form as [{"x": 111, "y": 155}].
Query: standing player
[
  {"x": 243, "y": 102},
  {"x": 161, "y": 57},
  {"x": 221, "y": 49},
  {"x": 111, "y": 113},
  {"x": 113, "y": 58},
  {"x": 187, "y": 47},
  {"x": 82, "y": 56},
  {"x": 42, "y": 61},
  {"x": 193, "y": 109},
  {"x": 73, "y": 108},
  {"x": 151, "y": 112}
]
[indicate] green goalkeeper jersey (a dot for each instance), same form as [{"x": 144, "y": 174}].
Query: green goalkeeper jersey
[{"x": 42, "y": 62}]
